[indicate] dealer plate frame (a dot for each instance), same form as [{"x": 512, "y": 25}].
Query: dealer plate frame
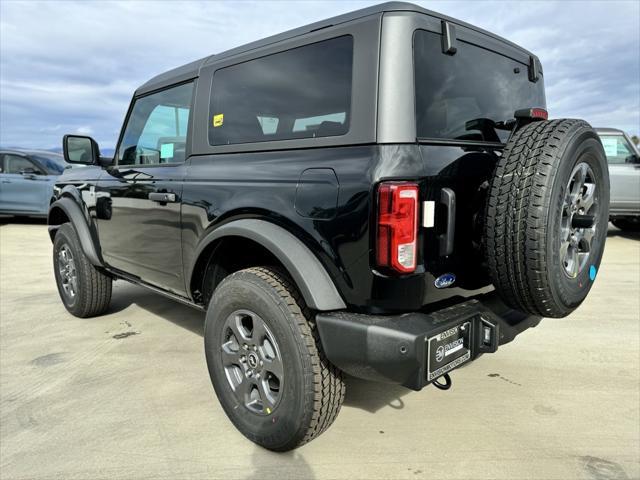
[{"x": 463, "y": 332}]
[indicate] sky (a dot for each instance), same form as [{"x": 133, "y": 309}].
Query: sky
[{"x": 71, "y": 67}]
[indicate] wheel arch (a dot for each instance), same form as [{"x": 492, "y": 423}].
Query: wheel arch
[
  {"x": 270, "y": 242},
  {"x": 66, "y": 209}
]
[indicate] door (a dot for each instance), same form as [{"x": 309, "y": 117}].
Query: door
[
  {"x": 138, "y": 198},
  {"x": 24, "y": 186},
  {"x": 624, "y": 173}
]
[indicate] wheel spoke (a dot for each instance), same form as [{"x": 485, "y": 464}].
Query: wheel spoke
[
  {"x": 588, "y": 198},
  {"x": 587, "y": 236},
  {"x": 243, "y": 389},
  {"x": 237, "y": 329},
  {"x": 231, "y": 356},
  {"x": 578, "y": 181},
  {"x": 574, "y": 263},
  {"x": 266, "y": 397},
  {"x": 258, "y": 333},
  {"x": 275, "y": 367}
]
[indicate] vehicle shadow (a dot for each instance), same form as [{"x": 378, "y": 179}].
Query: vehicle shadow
[
  {"x": 361, "y": 394},
  {"x": 373, "y": 396},
  {"x": 6, "y": 220},
  {"x": 615, "y": 232},
  {"x": 125, "y": 295}
]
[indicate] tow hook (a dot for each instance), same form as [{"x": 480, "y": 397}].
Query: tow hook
[{"x": 442, "y": 386}]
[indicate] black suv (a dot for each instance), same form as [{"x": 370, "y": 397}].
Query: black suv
[{"x": 379, "y": 193}]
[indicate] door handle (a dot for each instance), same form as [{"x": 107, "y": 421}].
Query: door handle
[
  {"x": 6, "y": 181},
  {"x": 162, "y": 197}
]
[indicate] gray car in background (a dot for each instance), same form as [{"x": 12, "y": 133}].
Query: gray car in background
[
  {"x": 26, "y": 181},
  {"x": 623, "y": 158}
]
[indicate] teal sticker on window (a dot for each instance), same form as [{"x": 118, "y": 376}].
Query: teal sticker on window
[{"x": 166, "y": 150}]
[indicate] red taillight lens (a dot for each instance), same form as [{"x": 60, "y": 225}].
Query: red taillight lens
[
  {"x": 397, "y": 226},
  {"x": 532, "y": 113},
  {"x": 539, "y": 113}
]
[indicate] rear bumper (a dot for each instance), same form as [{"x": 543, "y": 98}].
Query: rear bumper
[{"x": 395, "y": 348}]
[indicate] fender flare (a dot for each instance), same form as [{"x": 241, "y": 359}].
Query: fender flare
[
  {"x": 309, "y": 275},
  {"x": 74, "y": 213}
]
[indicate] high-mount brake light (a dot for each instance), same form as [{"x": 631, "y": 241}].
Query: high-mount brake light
[
  {"x": 532, "y": 113},
  {"x": 397, "y": 226}
]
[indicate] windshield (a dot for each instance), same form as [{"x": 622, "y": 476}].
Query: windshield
[
  {"x": 616, "y": 148},
  {"x": 462, "y": 96},
  {"x": 54, "y": 163}
]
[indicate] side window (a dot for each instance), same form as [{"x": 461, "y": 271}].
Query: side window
[
  {"x": 615, "y": 148},
  {"x": 16, "y": 164},
  {"x": 304, "y": 92},
  {"x": 156, "y": 132}
]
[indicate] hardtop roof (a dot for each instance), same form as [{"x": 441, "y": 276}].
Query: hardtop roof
[
  {"x": 191, "y": 70},
  {"x": 610, "y": 131}
]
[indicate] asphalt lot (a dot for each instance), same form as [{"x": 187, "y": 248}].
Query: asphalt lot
[{"x": 127, "y": 395}]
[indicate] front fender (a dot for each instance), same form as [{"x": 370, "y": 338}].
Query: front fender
[
  {"x": 308, "y": 273},
  {"x": 81, "y": 224}
]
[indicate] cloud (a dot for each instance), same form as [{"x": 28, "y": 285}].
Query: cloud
[{"x": 73, "y": 66}]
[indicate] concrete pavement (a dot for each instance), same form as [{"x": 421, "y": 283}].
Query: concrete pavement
[{"x": 127, "y": 395}]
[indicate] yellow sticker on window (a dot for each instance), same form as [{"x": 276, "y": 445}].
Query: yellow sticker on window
[{"x": 218, "y": 119}]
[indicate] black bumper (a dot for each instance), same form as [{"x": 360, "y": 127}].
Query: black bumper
[{"x": 396, "y": 348}]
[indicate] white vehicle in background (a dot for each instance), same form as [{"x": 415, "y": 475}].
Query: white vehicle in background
[{"x": 623, "y": 158}]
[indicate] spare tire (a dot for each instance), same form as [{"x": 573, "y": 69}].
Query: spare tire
[{"x": 547, "y": 216}]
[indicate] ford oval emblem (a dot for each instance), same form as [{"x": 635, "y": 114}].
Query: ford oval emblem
[{"x": 444, "y": 281}]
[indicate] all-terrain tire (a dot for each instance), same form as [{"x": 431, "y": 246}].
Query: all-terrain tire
[
  {"x": 526, "y": 217},
  {"x": 311, "y": 390},
  {"x": 84, "y": 290}
]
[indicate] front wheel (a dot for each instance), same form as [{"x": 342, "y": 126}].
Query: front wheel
[
  {"x": 266, "y": 362},
  {"x": 84, "y": 290}
]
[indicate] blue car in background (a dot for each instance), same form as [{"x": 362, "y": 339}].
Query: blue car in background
[{"x": 26, "y": 181}]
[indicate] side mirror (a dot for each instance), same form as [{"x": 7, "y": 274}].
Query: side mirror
[
  {"x": 80, "y": 149},
  {"x": 633, "y": 158}
]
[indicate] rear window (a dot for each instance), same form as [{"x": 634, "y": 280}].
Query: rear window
[
  {"x": 300, "y": 93},
  {"x": 454, "y": 93}
]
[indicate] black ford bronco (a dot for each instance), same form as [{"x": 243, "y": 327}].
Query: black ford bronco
[{"x": 379, "y": 194}]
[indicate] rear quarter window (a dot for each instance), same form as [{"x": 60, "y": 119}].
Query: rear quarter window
[{"x": 304, "y": 92}]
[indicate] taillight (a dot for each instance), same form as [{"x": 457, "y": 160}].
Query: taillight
[{"x": 397, "y": 226}]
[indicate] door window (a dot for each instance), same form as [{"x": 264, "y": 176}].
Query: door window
[
  {"x": 156, "y": 132},
  {"x": 615, "y": 148},
  {"x": 17, "y": 164}
]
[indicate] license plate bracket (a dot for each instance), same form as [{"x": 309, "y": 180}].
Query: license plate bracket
[{"x": 448, "y": 350}]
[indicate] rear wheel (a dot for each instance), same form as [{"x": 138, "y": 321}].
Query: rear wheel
[
  {"x": 546, "y": 220},
  {"x": 84, "y": 290},
  {"x": 266, "y": 362}
]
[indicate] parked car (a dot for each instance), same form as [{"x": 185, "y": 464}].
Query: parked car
[
  {"x": 26, "y": 181},
  {"x": 624, "y": 171},
  {"x": 379, "y": 193}
]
